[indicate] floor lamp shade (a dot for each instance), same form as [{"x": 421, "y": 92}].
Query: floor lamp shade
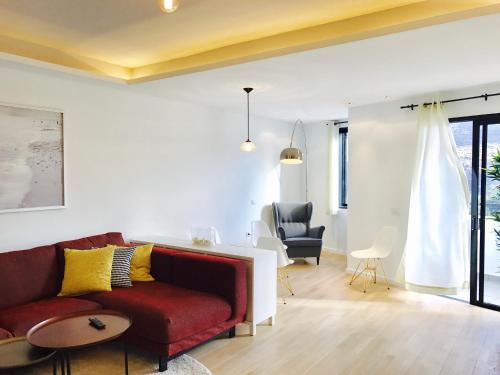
[{"x": 291, "y": 155}]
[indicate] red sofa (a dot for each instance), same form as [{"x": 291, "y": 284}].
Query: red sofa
[{"x": 194, "y": 298}]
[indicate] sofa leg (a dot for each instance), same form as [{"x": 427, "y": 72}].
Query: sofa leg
[
  {"x": 317, "y": 261},
  {"x": 163, "y": 363},
  {"x": 232, "y": 332}
]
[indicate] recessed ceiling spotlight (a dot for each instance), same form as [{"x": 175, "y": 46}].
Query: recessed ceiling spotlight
[{"x": 168, "y": 6}]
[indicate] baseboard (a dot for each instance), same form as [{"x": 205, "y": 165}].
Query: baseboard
[{"x": 333, "y": 250}]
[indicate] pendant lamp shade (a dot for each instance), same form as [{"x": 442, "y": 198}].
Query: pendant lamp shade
[
  {"x": 168, "y": 6},
  {"x": 291, "y": 155},
  {"x": 248, "y": 145}
]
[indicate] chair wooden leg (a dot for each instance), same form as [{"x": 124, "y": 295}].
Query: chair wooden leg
[
  {"x": 283, "y": 280},
  {"x": 317, "y": 261},
  {"x": 355, "y": 272},
  {"x": 365, "y": 278},
  {"x": 385, "y": 276},
  {"x": 287, "y": 283}
]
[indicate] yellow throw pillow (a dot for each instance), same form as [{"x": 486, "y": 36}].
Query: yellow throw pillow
[
  {"x": 140, "y": 266},
  {"x": 87, "y": 271}
]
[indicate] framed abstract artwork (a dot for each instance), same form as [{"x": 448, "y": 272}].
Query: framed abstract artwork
[{"x": 31, "y": 159}]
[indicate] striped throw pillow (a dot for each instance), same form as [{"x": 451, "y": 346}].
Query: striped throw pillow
[{"x": 121, "y": 267}]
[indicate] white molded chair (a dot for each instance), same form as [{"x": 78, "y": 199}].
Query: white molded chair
[
  {"x": 371, "y": 257},
  {"x": 263, "y": 239},
  {"x": 259, "y": 229}
]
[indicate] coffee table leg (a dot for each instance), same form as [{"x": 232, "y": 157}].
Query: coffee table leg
[
  {"x": 68, "y": 364},
  {"x": 125, "y": 350},
  {"x": 63, "y": 367}
]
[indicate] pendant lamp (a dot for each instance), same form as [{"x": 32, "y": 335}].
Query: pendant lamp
[
  {"x": 248, "y": 145},
  {"x": 168, "y": 6}
]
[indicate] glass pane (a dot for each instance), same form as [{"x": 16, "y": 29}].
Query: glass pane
[
  {"x": 343, "y": 165},
  {"x": 492, "y": 222},
  {"x": 346, "y": 165}
]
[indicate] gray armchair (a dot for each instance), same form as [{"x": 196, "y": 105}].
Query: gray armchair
[{"x": 292, "y": 221}]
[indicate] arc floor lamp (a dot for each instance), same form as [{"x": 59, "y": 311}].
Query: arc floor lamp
[{"x": 293, "y": 155}]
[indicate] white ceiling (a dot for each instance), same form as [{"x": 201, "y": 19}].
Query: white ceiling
[{"x": 319, "y": 84}]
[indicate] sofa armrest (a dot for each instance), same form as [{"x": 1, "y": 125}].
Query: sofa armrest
[
  {"x": 316, "y": 232},
  {"x": 281, "y": 233},
  {"x": 224, "y": 277}
]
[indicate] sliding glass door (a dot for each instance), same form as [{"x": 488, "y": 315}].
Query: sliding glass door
[{"x": 478, "y": 141}]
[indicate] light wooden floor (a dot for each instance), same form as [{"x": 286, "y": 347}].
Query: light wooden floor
[{"x": 331, "y": 328}]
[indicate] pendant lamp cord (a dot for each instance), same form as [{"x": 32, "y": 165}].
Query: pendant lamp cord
[
  {"x": 248, "y": 116},
  {"x": 248, "y": 90}
]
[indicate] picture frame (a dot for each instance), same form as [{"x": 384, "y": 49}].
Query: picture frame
[{"x": 32, "y": 158}]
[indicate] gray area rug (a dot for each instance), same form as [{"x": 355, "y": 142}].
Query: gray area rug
[{"x": 108, "y": 359}]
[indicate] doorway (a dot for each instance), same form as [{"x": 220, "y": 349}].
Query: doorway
[{"x": 478, "y": 140}]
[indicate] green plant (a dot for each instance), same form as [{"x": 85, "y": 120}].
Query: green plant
[{"x": 493, "y": 172}]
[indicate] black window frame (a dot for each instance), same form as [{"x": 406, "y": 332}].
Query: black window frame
[
  {"x": 343, "y": 144},
  {"x": 480, "y": 125}
]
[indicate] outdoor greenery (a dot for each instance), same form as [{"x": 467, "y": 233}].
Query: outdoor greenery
[{"x": 493, "y": 172}]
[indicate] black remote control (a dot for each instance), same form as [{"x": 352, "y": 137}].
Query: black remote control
[{"x": 96, "y": 323}]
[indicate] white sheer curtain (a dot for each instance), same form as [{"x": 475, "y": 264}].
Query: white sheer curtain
[
  {"x": 437, "y": 247},
  {"x": 333, "y": 169}
]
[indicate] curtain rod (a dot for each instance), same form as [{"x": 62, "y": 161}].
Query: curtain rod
[
  {"x": 484, "y": 96},
  {"x": 335, "y": 123}
]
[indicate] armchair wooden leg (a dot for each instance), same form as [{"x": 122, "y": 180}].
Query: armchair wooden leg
[
  {"x": 317, "y": 261},
  {"x": 232, "y": 332}
]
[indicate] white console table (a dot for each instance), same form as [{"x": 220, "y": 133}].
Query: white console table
[{"x": 261, "y": 273}]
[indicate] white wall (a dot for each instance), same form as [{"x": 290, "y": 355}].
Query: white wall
[
  {"x": 140, "y": 165},
  {"x": 381, "y": 153},
  {"x": 335, "y": 236}
]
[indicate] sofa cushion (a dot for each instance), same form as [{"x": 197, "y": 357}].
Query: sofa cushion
[
  {"x": 221, "y": 276},
  {"x": 19, "y": 319},
  {"x": 4, "y": 334},
  {"x": 294, "y": 229},
  {"x": 303, "y": 242},
  {"x": 85, "y": 243},
  {"x": 100, "y": 240},
  {"x": 28, "y": 275},
  {"x": 87, "y": 271},
  {"x": 121, "y": 267},
  {"x": 165, "y": 313},
  {"x": 140, "y": 265},
  {"x": 162, "y": 264}
]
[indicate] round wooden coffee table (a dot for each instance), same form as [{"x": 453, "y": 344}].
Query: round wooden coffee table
[
  {"x": 72, "y": 331},
  {"x": 18, "y": 352}
]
